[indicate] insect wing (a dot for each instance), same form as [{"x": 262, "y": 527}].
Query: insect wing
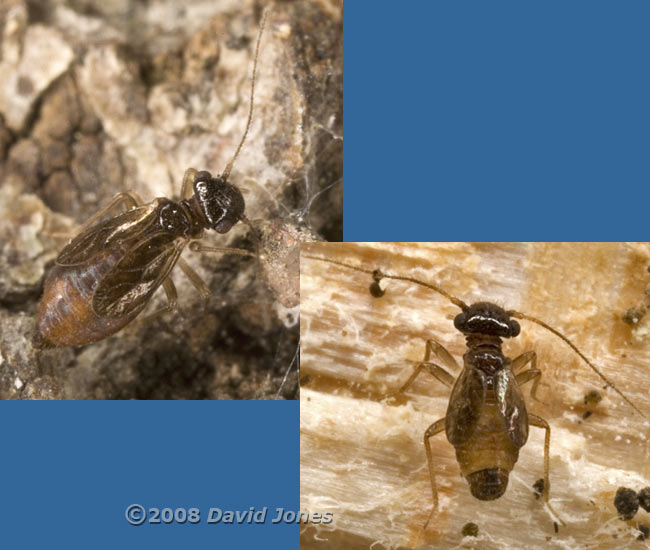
[
  {"x": 465, "y": 406},
  {"x": 114, "y": 232},
  {"x": 129, "y": 285},
  {"x": 512, "y": 407}
]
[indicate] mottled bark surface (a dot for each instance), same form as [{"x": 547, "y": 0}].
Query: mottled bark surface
[
  {"x": 362, "y": 457},
  {"x": 98, "y": 97}
]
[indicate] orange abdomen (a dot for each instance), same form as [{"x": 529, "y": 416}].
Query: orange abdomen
[
  {"x": 66, "y": 316},
  {"x": 488, "y": 456}
]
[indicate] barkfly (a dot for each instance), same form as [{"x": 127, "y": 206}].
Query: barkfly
[
  {"x": 107, "y": 274},
  {"x": 486, "y": 421}
]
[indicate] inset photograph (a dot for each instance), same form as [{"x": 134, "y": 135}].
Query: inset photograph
[
  {"x": 160, "y": 164},
  {"x": 488, "y": 395}
]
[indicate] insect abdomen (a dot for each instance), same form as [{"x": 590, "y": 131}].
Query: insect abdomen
[
  {"x": 66, "y": 316},
  {"x": 488, "y": 455}
]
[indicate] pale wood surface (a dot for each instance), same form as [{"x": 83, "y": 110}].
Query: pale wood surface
[{"x": 363, "y": 459}]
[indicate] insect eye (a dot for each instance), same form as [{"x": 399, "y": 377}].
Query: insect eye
[
  {"x": 460, "y": 320},
  {"x": 203, "y": 175},
  {"x": 514, "y": 328},
  {"x": 224, "y": 226}
]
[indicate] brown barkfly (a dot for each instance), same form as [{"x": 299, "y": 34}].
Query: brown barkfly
[
  {"x": 108, "y": 273},
  {"x": 486, "y": 421}
]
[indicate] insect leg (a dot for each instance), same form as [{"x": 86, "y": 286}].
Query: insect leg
[
  {"x": 434, "y": 429},
  {"x": 172, "y": 301},
  {"x": 539, "y": 422},
  {"x": 519, "y": 363},
  {"x": 442, "y": 354},
  {"x": 434, "y": 370},
  {"x": 195, "y": 279},
  {"x": 198, "y": 247},
  {"x": 522, "y": 360},
  {"x": 530, "y": 374},
  {"x": 187, "y": 186}
]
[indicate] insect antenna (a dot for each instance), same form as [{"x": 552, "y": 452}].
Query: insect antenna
[
  {"x": 376, "y": 291},
  {"x": 378, "y": 275},
  {"x": 520, "y": 315},
  {"x": 226, "y": 172}
]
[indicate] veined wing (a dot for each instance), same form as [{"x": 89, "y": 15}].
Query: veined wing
[
  {"x": 128, "y": 286},
  {"x": 119, "y": 231},
  {"x": 467, "y": 402},
  {"x": 465, "y": 406},
  {"x": 512, "y": 407}
]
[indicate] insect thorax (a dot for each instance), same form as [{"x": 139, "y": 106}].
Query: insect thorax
[
  {"x": 485, "y": 355},
  {"x": 178, "y": 218}
]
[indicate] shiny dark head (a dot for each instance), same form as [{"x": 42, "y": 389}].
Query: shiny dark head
[
  {"x": 222, "y": 204},
  {"x": 486, "y": 318}
]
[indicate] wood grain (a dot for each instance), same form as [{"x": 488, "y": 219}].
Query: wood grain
[{"x": 363, "y": 459}]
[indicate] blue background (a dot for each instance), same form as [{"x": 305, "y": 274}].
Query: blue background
[
  {"x": 463, "y": 121},
  {"x": 496, "y": 120},
  {"x": 70, "y": 469}
]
